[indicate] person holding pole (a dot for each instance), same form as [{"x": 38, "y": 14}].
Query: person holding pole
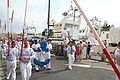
[
  {"x": 4, "y": 47},
  {"x": 117, "y": 57},
  {"x": 11, "y": 61},
  {"x": 25, "y": 61}
]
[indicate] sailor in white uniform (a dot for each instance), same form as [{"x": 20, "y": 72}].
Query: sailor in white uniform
[
  {"x": 4, "y": 47},
  {"x": 25, "y": 61},
  {"x": 11, "y": 61},
  {"x": 18, "y": 45},
  {"x": 37, "y": 54},
  {"x": 48, "y": 54},
  {"x": 71, "y": 52}
]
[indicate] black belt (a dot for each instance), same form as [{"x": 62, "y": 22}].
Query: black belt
[{"x": 11, "y": 60}]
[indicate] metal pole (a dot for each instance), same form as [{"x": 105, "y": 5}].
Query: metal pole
[
  {"x": 48, "y": 17},
  {"x": 99, "y": 40}
]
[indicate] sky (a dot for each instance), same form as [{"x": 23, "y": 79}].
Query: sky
[{"x": 37, "y": 12}]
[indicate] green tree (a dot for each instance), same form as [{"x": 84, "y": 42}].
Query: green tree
[{"x": 51, "y": 33}]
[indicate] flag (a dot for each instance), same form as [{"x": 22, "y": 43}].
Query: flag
[
  {"x": 0, "y": 24},
  {"x": 5, "y": 27},
  {"x": 12, "y": 16}
]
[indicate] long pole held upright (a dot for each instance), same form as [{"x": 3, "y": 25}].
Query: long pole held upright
[
  {"x": 24, "y": 28},
  {"x": 99, "y": 40},
  {"x": 12, "y": 22},
  {"x": 8, "y": 27}
]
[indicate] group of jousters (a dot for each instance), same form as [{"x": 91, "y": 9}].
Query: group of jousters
[{"x": 21, "y": 52}]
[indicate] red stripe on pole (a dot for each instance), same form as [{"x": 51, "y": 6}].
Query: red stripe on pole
[
  {"x": 8, "y": 3},
  {"x": 5, "y": 27},
  {"x": 22, "y": 44},
  {"x": 99, "y": 40},
  {"x": 112, "y": 62},
  {"x": 8, "y": 44}
]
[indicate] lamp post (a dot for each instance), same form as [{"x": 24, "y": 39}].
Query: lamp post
[{"x": 48, "y": 17}]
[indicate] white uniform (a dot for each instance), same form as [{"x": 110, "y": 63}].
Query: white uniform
[
  {"x": 48, "y": 55},
  {"x": 117, "y": 56},
  {"x": 25, "y": 64},
  {"x": 71, "y": 57},
  {"x": 11, "y": 63},
  {"x": 18, "y": 45},
  {"x": 0, "y": 45},
  {"x": 3, "y": 50},
  {"x": 37, "y": 54}
]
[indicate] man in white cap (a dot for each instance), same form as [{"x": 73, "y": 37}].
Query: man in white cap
[{"x": 25, "y": 61}]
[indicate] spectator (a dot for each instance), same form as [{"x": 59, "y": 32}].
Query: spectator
[
  {"x": 117, "y": 58},
  {"x": 88, "y": 55},
  {"x": 71, "y": 51}
]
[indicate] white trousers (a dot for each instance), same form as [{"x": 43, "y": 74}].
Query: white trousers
[
  {"x": 71, "y": 58},
  {"x": 25, "y": 70},
  {"x": 116, "y": 75},
  {"x": 47, "y": 56},
  {"x": 37, "y": 56},
  {"x": 11, "y": 67},
  {"x": 2, "y": 52}
]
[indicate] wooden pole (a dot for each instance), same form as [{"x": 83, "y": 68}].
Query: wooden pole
[
  {"x": 99, "y": 40},
  {"x": 8, "y": 27},
  {"x": 24, "y": 29},
  {"x": 12, "y": 22}
]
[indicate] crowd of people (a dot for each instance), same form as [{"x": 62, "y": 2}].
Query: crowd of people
[
  {"x": 75, "y": 50},
  {"x": 41, "y": 50},
  {"x": 24, "y": 54}
]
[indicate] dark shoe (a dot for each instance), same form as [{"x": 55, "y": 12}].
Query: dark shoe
[
  {"x": 37, "y": 70},
  {"x": 68, "y": 68},
  {"x": 43, "y": 67},
  {"x": 6, "y": 79},
  {"x": 48, "y": 69}
]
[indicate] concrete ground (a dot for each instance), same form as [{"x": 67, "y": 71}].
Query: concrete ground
[{"x": 87, "y": 70}]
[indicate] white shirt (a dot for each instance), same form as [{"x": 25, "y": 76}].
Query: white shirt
[
  {"x": 117, "y": 56},
  {"x": 28, "y": 52},
  {"x": 71, "y": 50},
  {"x": 35, "y": 46},
  {"x": 49, "y": 46},
  {"x": 13, "y": 54}
]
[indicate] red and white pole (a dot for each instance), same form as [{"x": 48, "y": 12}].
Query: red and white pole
[
  {"x": 12, "y": 22},
  {"x": 8, "y": 27},
  {"x": 99, "y": 40},
  {"x": 22, "y": 44},
  {"x": 24, "y": 29}
]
